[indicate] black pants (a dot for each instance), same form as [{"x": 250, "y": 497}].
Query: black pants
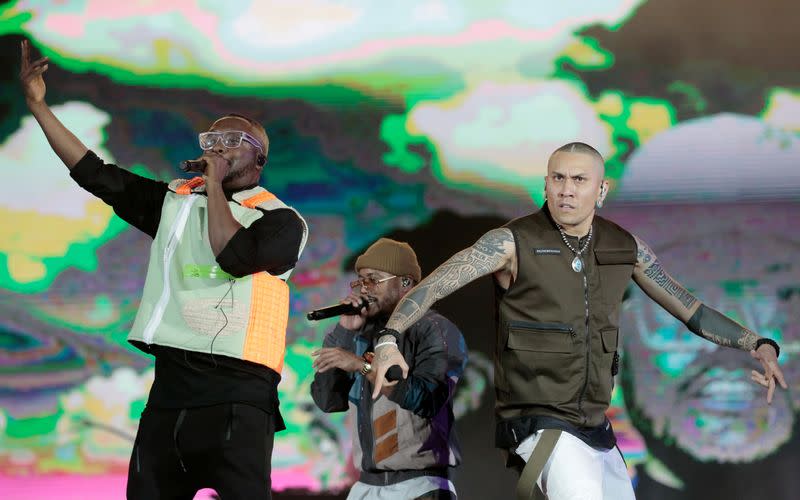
[{"x": 227, "y": 447}]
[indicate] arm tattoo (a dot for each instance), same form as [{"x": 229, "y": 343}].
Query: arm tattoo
[
  {"x": 656, "y": 273},
  {"x": 711, "y": 325},
  {"x": 487, "y": 255}
]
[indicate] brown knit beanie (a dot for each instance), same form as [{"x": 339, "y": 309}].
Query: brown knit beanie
[{"x": 391, "y": 256}]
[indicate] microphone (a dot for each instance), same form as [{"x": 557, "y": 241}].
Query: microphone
[
  {"x": 194, "y": 165},
  {"x": 337, "y": 310},
  {"x": 394, "y": 373}
]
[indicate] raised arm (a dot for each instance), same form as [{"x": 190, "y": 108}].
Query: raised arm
[
  {"x": 494, "y": 252},
  {"x": 705, "y": 321},
  {"x": 68, "y": 147}
]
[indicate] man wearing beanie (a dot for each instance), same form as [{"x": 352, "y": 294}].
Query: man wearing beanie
[{"x": 404, "y": 442}]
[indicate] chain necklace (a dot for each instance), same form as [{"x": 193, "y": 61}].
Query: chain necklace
[{"x": 577, "y": 262}]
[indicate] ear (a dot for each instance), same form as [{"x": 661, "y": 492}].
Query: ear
[{"x": 604, "y": 186}]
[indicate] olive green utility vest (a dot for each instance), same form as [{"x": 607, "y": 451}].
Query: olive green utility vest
[{"x": 557, "y": 329}]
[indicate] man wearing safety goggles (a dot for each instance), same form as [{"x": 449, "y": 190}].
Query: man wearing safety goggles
[{"x": 215, "y": 304}]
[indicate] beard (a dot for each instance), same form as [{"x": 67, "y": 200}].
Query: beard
[{"x": 235, "y": 173}]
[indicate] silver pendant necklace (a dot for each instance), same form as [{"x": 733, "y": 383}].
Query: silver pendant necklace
[{"x": 577, "y": 262}]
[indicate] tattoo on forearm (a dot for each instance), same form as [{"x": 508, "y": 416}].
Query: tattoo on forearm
[
  {"x": 656, "y": 273},
  {"x": 485, "y": 256},
  {"x": 716, "y": 338},
  {"x": 747, "y": 340},
  {"x": 718, "y": 328}
]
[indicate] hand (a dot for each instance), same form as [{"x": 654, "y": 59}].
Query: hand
[
  {"x": 354, "y": 321},
  {"x": 766, "y": 355},
  {"x": 217, "y": 168},
  {"x": 386, "y": 357},
  {"x": 30, "y": 75},
  {"x": 336, "y": 357}
]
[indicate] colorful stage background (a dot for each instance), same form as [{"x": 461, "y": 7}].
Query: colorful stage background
[{"x": 428, "y": 121}]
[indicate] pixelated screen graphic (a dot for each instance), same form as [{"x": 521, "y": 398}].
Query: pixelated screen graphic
[{"x": 430, "y": 122}]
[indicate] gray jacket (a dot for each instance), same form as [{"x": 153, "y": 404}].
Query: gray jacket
[{"x": 413, "y": 428}]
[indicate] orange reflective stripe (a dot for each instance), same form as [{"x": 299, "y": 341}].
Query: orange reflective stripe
[
  {"x": 258, "y": 199},
  {"x": 265, "y": 340},
  {"x": 186, "y": 187}
]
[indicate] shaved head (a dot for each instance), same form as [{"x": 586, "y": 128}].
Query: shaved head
[
  {"x": 256, "y": 129},
  {"x": 582, "y": 148}
]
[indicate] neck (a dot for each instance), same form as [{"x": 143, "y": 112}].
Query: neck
[{"x": 578, "y": 230}]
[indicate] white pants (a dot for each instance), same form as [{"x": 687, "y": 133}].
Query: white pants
[
  {"x": 576, "y": 471},
  {"x": 410, "y": 488}
]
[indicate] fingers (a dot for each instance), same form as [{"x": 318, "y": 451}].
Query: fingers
[
  {"x": 35, "y": 69},
  {"x": 380, "y": 381},
  {"x": 779, "y": 375},
  {"x": 355, "y": 300},
  {"x": 758, "y": 378},
  {"x": 770, "y": 390},
  {"x": 25, "y": 54},
  {"x": 404, "y": 367}
]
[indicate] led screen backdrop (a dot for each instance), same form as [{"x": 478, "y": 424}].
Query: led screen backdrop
[{"x": 431, "y": 122}]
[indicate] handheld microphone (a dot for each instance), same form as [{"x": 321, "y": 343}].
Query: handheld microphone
[
  {"x": 394, "y": 373},
  {"x": 194, "y": 165},
  {"x": 337, "y": 310}
]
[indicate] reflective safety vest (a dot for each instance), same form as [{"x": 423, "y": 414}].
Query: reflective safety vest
[{"x": 190, "y": 303}]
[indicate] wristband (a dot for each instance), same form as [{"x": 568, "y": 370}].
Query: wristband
[
  {"x": 771, "y": 342},
  {"x": 389, "y": 331}
]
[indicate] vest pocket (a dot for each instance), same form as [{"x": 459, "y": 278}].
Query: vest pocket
[
  {"x": 610, "y": 338},
  {"x": 604, "y": 376},
  {"x": 615, "y": 267},
  {"x": 541, "y": 364},
  {"x": 540, "y": 337}
]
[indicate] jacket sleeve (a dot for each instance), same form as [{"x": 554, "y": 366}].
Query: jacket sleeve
[
  {"x": 135, "y": 199},
  {"x": 439, "y": 357},
  {"x": 270, "y": 244},
  {"x": 330, "y": 389}
]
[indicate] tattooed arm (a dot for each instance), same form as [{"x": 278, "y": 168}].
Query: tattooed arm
[
  {"x": 494, "y": 252},
  {"x": 700, "y": 319}
]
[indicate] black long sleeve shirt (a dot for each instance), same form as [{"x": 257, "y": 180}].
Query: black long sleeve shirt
[{"x": 186, "y": 379}]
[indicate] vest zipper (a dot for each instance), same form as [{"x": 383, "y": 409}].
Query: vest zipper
[
  {"x": 588, "y": 342},
  {"x": 169, "y": 251}
]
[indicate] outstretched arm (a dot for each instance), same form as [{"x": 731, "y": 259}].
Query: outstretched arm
[
  {"x": 68, "y": 147},
  {"x": 493, "y": 252},
  {"x": 702, "y": 320}
]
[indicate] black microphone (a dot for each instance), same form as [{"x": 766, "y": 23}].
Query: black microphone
[
  {"x": 394, "y": 373},
  {"x": 337, "y": 310},
  {"x": 194, "y": 165}
]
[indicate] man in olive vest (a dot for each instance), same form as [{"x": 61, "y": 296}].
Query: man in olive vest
[
  {"x": 214, "y": 309},
  {"x": 561, "y": 274}
]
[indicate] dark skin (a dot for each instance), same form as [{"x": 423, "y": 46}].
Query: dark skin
[
  {"x": 228, "y": 169},
  {"x": 383, "y": 298}
]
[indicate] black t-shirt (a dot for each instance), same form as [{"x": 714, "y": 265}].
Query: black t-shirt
[{"x": 186, "y": 379}]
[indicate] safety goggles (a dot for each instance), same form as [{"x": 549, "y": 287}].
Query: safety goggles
[{"x": 230, "y": 139}]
